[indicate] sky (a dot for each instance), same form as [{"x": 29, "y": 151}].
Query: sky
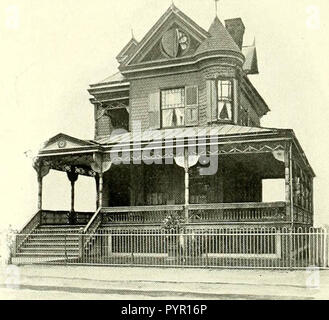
[{"x": 52, "y": 50}]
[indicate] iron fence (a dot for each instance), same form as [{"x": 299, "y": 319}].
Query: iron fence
[{"x": 269, "y": 248}]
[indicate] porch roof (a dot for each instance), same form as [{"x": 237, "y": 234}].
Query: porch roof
[
  {"x": 184, "y": 133},
  {"x": 65, "y": 146}
]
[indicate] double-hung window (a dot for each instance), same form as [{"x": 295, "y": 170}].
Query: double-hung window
[
  {"x": 224, "y": 100},
  {"x": 173, "y": 107}
]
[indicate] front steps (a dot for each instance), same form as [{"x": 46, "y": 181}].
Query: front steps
[{"x": 49, "y": 243}]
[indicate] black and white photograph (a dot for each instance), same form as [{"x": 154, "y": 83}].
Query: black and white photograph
[{"x": 164, "y": 150}]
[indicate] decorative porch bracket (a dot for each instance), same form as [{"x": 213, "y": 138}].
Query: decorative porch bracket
[{"x": 186, "y": 161}]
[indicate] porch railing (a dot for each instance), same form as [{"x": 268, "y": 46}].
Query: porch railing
[
  {"x": 50, "y": 217},
  {"x": 238, "y": 212},
  {"x": 198, "y": 213},
  {"x": 29, "y": 227},
  {"x": 138, "y": 215},
  {"x": 86, "y": 239},
  {"x": 302, "y": 215}
]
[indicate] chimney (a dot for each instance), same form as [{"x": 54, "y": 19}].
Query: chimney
[{"x": 236, "y": 29}]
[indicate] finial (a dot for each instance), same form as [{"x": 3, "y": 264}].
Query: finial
[
  {"x": 172, "y": 4},
  {"x": 216, "y": 7},
  {"x": 254, "y": 42},
  {"x": 132, "y": 33}
]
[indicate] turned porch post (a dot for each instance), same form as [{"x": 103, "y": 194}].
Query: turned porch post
[
  {"x": 42, "y": 170},
  {"x": 39, "y": 192},
  {"x": 100, "y": 165},
  {"x": 73, "y": 177},
  {"x": 100, "y": 190},
  {"x": 186, "y": 180},
  {"x": 289, "y": 184},
  {"x": 187, "y": 161},
  {"x": 97, "y": 189}
]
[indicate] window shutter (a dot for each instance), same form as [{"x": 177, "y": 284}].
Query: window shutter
[
  {"x": 211, "y": 100},
  {"x": 154, "y": 110},
  {"x": 191, "y": 106}
]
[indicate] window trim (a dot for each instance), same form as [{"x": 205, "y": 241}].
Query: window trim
[
  {"x": 231, "y": 79},
  {"x": 183, "y": 88}
]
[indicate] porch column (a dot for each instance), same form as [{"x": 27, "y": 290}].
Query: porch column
[
  {"x": 73, "y": 177},
  {"x": 186, "y": 162},
  {"x": 42, "y": 170},
  {"x": 100, "y": 165},
  {"x": 39, "y": 192},
  {"x": 100, "y": 190},
  {"x": 97, "y": 189},
  {"x": 288, "y": 184},
  {"x": 187, "y": 188}
]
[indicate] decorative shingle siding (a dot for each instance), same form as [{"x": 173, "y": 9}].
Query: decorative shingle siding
[{"x": 103, "y": 125}]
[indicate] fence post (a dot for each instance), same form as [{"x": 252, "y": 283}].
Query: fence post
[
  {"x": 291, "y": 258},
  {"x": 326, "y": 247},
  {"x": 206, "y": 237},
  {"x": 132, "y": 248},
  {"x": 81, "y": 246}
]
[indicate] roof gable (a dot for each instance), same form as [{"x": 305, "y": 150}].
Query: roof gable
[
  {"x": 173, "y": 23},
  {"x": 62, "y": 141},
  {"x": 127, "y": 51}
]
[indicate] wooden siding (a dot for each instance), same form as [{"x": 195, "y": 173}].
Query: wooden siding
[{"x": 254, "y": 119}]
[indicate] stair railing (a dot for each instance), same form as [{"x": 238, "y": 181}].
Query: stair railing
[
  {"x": 89, "y": 231},
  {"x": 29, "y": 227}
]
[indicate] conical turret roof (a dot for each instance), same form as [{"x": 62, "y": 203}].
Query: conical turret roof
[{"x": 219, "y": 40}]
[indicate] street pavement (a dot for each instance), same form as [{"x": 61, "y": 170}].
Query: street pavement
[{"x": 127, "y": 283}]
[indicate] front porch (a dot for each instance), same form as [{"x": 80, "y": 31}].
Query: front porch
[{"x": 207, "y": 181}]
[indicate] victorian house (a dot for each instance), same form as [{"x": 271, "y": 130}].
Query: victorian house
[{"x": 177, "y": 132}]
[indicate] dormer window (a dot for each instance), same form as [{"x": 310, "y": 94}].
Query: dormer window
[
  {"x": 224, "y": 100},
  {"x": 173, "y": 107}
]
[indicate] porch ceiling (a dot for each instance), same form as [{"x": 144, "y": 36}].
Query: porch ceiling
[{"x": 263, "y": 165}]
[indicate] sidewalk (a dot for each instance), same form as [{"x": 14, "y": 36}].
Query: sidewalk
[{"x": 88, "y": 282}]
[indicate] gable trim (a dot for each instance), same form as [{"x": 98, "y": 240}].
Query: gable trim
[
  {"x": 192, "y": 60},
  {"x": 171, "y": 11},
  {"x": 62, "y": 136}
]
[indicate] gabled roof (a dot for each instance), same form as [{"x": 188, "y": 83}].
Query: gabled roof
[
  {"x": 172, "y": 11},
  {"x": 219, "y": 40},
  {"x": 63, "y": 142},
  {"x": 128, "y": 50}
]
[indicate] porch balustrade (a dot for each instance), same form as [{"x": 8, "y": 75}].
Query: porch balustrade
[
  {"x": 198, "y": 213},
  {"x": 302, "y": 215},
  {"x": 50, "y": 217},
  {"x": 238, "y": 212},
  {"x": 138, "y": 215},
  {"x": 205, "y": 213}
]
